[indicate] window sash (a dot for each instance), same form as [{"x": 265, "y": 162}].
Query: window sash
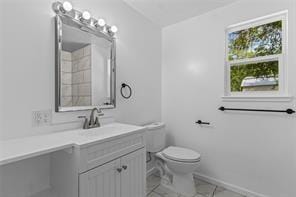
[
  {"x": 281, "y": 76},
  {"x": 281, "y": 58},
  {"x": 260, "y": 59},
  {"x": 255, "y": 24},
  {"x": 280, "y": 16}
]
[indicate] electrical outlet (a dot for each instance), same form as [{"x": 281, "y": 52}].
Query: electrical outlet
[{"x": 41, "y": 118}]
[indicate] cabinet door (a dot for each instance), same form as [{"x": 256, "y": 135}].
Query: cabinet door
[
  {"x": 103, "y": 181},
  {"x": 133, "y": 175}
]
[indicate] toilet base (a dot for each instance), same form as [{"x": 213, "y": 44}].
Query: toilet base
[
  {"x": 181, "y": 184},
  {"x": 177, "y": 176},
  {"x": 184, "y": 184}
]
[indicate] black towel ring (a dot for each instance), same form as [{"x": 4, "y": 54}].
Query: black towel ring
[{"x": 124, "y": 85}]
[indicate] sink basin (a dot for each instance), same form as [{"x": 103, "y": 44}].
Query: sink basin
[
  {"x": 105, "y": 132},
  {"x": 99, "y": 130}
]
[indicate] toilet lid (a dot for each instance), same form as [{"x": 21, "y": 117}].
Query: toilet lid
[{"x": 181, "y": 154}]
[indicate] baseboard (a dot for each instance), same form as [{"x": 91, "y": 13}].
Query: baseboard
[
  {"x": 151, "y": 171},
  {"x": 228, "y": 186}
]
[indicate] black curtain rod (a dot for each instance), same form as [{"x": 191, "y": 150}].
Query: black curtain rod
[{"x": 288, "y": 111}]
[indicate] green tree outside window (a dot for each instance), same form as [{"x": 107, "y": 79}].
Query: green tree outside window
[{"x": 263, "y": 40}]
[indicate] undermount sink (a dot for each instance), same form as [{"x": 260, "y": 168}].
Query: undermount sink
[
  {"x": 99, "y": 130},
  {"x": 109, "y": 129}
]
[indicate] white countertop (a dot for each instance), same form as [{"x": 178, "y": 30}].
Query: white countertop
[{"x": 23, "y": 148}]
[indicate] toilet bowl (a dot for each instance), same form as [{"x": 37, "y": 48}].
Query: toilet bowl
[
  {"x": 176, "y": 164},
  {"x": 181, "y": 163}
]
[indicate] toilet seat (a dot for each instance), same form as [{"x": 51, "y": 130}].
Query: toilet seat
[{"x": 181, "y": 154}]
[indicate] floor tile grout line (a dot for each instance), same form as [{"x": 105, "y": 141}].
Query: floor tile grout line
[
  {"x": 214, "y": 191},
  {"x": 153, "y": 190},
  {"x": 179, "y": 195},
  {"x": 156, "y": 191}
]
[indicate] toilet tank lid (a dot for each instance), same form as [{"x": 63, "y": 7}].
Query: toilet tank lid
[{"x": 155, "y": 125}]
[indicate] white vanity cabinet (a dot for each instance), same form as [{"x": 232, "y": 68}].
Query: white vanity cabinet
[
  {"x": 114, "y": 168},
  {"x": 109, "y": 161},
  {"x": 96, "y": 154},
  {"x": 133, "y": 179},
  {"x": 122, "y": 177},
  {"x": 103, "y": 181}
]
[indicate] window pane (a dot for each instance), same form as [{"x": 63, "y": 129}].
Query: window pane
[
  {"x": 256, "y": 41},
  {"x": 254, "y": 77}
]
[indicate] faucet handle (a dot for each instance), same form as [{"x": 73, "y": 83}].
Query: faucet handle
[{"x": 85, "y": 124}]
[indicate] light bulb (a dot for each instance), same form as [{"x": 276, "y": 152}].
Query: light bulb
[
  {"x": 114, "y": 29},
  {"x": 67, "y": 6},
  {"x": 101, "y": 22},
  {"x": 86, "y": 15}
]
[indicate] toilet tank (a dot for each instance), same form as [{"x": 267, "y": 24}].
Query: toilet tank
[{"x": 155, "y": 137}]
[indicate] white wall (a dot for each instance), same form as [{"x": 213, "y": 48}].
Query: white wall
[
  {"x": 27, "y": 69},
  {"x": 250, "y": 150}
]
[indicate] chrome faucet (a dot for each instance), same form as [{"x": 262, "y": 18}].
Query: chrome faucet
[{"x": 93, "y": 120}]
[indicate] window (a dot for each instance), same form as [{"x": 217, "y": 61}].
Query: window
[{"x": 255, "y": 57}]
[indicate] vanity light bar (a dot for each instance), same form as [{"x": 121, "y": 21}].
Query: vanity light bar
[{"x": 66, "y": 9}]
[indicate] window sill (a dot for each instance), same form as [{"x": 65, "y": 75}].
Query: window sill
[{"x": 257, "y": 98}]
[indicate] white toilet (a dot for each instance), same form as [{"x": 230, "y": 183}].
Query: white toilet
[{"x": 176, "y": 164}]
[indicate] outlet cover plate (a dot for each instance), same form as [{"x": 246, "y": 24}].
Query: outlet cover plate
[{"x": 41, "y": 118}]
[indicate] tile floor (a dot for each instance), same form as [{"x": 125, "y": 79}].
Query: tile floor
[{"x": 203, "y": 189}]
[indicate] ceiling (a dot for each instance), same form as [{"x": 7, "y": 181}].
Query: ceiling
[{"x": 167, "y": 12}]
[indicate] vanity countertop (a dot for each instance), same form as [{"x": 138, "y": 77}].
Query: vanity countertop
[{"x": 22, "y": 148}]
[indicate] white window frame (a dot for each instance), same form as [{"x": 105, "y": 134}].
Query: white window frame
[{"x": 282, "y": 93}]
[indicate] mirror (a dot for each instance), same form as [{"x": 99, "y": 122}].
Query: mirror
[{"x": 85, "y": 67}]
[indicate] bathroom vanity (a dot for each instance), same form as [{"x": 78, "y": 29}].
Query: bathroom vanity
[
  {"x": 103, "y": 162},
  {"x": 109, "y": 161}
]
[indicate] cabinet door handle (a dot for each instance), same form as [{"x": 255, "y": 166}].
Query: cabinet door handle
[
  {"x": 119, "y": 170},
  {"x": 124, "y": 167}
]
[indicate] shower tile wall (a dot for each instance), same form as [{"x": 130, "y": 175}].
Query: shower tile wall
[
  {"x": 76, "y": 77},
  {"x": 66, "y": 76},
  {"x": 81, "y": 76}
]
